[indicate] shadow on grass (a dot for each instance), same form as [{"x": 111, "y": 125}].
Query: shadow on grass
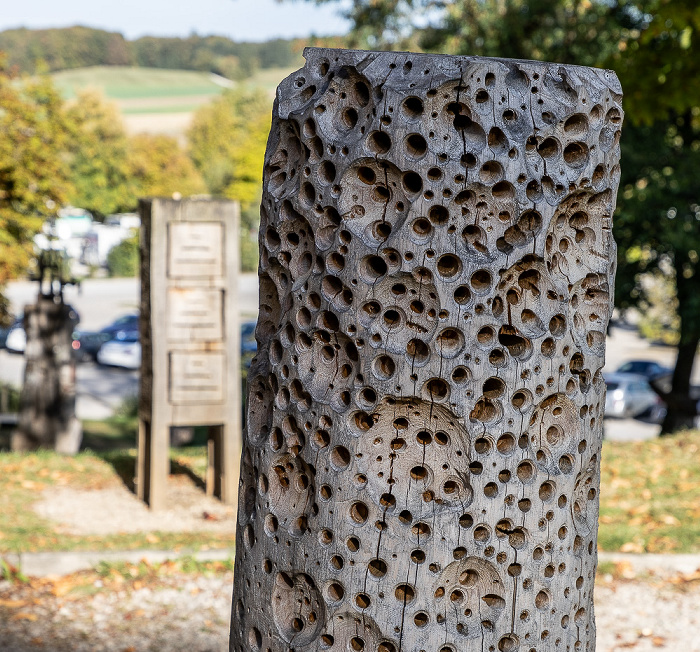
[
  {"x": 114, "y": 440},
  {"x": 124, "y": 464},
  {"x": 177, "y": 468}
]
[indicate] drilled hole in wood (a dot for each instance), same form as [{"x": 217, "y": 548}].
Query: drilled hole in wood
[{"x": 416, "y": 147}]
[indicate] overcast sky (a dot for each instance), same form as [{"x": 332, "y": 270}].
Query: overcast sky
[{"x": 242, "y": 20}]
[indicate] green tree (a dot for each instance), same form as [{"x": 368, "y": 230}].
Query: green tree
[
  {"x": 659, "y": 212},
  {"x": 99, "y": 157},
  {"x": 227, "y": 144},
  {"x": 68, "y": 47},
  {"x": 659, "y": 199},
  {"x": 33, "y": 176},
  {"x": 123, "y": 259},
  {"x": 159, "y": 167}
]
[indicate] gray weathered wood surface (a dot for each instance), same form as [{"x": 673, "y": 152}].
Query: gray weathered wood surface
[
  {"x": 420, "y": 470},
  {"x": 190, "y": 337}
]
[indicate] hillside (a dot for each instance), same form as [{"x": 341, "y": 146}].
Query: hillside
[
  {"x": 155, "y": 100},
  {"x": 124, "y": 83}
]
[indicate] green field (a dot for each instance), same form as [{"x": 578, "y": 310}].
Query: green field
[
  {"x": 156, "y": 100},
  {"x": 125, "y": 83}
]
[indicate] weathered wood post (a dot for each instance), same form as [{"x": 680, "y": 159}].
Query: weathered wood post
[
  {"x": 190, "y": 338},
  {"x": 421, "y": 464}
]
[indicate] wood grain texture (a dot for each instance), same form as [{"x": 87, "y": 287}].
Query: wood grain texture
[
  {"x": 420, "y": 469},
  {"x": 190, "y": 338}
]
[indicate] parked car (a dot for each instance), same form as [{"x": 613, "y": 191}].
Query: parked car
[
  {"x": 123, "y": 350},
  {"x": 249, "y": 345},
  {"x": 16, "y": 339},
  {"x": 647, "y": 368},
  {"x": 87, "y": 343},
  {"x": 629, "y": 395},
  {"x": 5, "y": 331}
]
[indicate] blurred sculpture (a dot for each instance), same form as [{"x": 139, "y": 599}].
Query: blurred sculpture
[{"x": 47, "y": 401}]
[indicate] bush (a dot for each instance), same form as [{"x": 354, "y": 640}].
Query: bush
[
  {"x": 123, "y": 259},
  {"x": 9, "y": 398}
]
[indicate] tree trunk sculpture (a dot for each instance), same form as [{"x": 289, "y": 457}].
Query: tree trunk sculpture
[
  {"x": 47, "y": 402},
  {"x": 421, "y": 463}
]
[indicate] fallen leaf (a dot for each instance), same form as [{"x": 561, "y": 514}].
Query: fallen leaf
[
  {"x": 669, "y": 519},
  {"x": 625, "y": 569},
  {"x": 152, "y": 538},
  {"x": 13, "y": 604},
  {"x": 658, "y": 641},
  {"x": 25, "y": 616},
  {"x": 631, "y": 546}
]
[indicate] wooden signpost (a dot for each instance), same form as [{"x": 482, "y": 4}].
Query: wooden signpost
[{"x": 190, "y": 369}]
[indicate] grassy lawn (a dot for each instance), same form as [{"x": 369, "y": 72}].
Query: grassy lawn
[
  {"x": 650, "y": 493},
  {"x": 108, "y": 460}
]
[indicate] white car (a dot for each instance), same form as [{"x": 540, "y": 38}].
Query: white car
[
  {"x": 629, "y": 396},
  {"x": 16, "y": 340},
  {"x": 122, "y": 351}
]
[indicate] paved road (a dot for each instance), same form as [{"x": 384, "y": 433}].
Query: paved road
[{"x": 101, "y": 389}]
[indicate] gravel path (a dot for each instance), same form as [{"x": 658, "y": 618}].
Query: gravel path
[
  {"x": 116, "y": 509},
  {"x": 191, "y": 614}
]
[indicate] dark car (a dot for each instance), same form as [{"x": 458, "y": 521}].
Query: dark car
[
  {"x": 86, "y": 344},
  {"x": 249, "y": 345},
  {"x": 647, "y": 368}
]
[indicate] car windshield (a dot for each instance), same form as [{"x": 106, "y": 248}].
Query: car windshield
[
  {"x": 612, "y": 386},
  {"x": 636, "y": 367},
  {"x": 248, "y": 331},
  {"x": 125, "y": 320}
]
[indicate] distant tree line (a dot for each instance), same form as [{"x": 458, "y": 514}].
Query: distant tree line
[{"x": 31, "y": 51}]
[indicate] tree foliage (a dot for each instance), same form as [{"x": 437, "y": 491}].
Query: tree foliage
[
  {"x": 60, "y": 49},
  {"x": 123, "y": 258},
  {"x": 227, "y": 143},
  {"x": 34, "y": 180},
  {"x": 98, "y": 157},
  {"x": 159, "y": 167},
  {"x": 78, "y": 47}
]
